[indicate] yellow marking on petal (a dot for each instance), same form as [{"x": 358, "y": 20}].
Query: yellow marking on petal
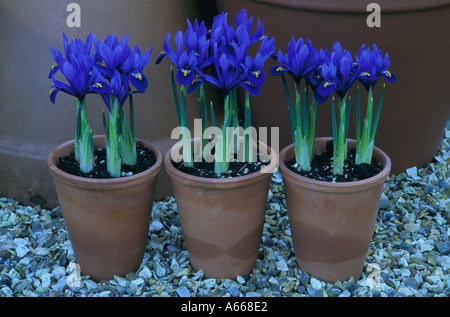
[
  {"x": 51, "y": 90},
  {"x": 365, "y": 74},
  {"x": 388, "y": 73},
  {"x": 326, "y": 84},
  {"x": 98, "y": 85},
  {"x": 54, "y": 66},
  {"x": 257, "y": 74},
  {"x": 185, "y": 73},
  {"x": 279, "y": 68}
]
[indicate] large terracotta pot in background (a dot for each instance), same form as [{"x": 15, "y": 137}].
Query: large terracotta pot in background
[
  {"x": 332, "y": 223},
  {"x": 222, "y": 219},
  {"x": 32, "y": 126},
  {"x": 107, "y": 219},
  {"x": 415, "y": 109}
]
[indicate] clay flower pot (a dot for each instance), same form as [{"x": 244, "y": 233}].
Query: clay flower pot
[
  {"x": 107, "y": 219},
  {"x": 332, "y": 223},
  {"x": 222, "y": 219}
]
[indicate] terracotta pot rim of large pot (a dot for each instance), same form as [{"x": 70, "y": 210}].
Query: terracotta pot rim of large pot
[
  {"x": 324, "y": 186},
  {"x": 223, "y": 183},
  {"x": 357, "y": 6},
  {"x": 103, "y": 183}
]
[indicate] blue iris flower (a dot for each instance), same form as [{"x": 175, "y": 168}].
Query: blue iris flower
[
  {"x": 111, "y": 54},
  {"x": 78, "y": 69},
  {"x": 72, "y": 50},
  {"x": 119, "y": 88},
  {"x": 227, "y": 74},
  {"x": 373, "y": 66},
  {"x": 133, "y": 66},
  {"x": 191, "y": 54},
  {"x": 299, "y": 60},
  {"x": 253, "y": 67},
  {"x": 221, "y": 29},
  {"x": 339, "y": 74},
  {"x": 185, "y": 61},
  {"x": 241, "y": 19},
  {"x": 121, "y": 66},
  {"x": 233, "y": 66},
  {"x": 315, "y": 77}
]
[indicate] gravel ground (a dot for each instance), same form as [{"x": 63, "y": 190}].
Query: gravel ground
[{"x": 409, "y": 255}]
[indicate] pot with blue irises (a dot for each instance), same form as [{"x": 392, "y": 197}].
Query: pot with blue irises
[
  {"x": 105, "y": 183},
  {"x": 221, "y": 179},
  {"x": 332, "y": 185}
]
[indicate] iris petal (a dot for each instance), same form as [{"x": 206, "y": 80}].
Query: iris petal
[
  {"x": 185, "y": 76},
  {"x": 390, "y": 77},
  {"x": 252, "y": 89},
  {"x": 138, "y": 80},
  {"x": 324, "y": 91},
  {"x": 53, "y": 92},
  {"x": 278, "y": 70},
  {"x": 195, "y": 84}
]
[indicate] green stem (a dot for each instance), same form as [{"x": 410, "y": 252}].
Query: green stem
[
  {"x": 312, "y": 127},
  {"x": 187, "y": 151},
  {"x": 248, "y": 148},
  {"x": 377, "y": 114},
  {"x": 365, "y": 151},
  {"x": 78, "y": 132},
  {"x": 299, "y": 127},
  {"x": 203, "y": 112},
  {"x": 182, "y": 120},
  {"x": 84, "y": 148},
  {"x": 358, "y": 122},
  {"x": 303, "y": 123},
  {"x": 221, "y": 163},
  {"x": 127, "y": 141},
  {"x": 175, "y": 95},
  {"x": 234, "y": 118},
  {"x": 113, "y": 160},
  {"x": 292, "y": 119},
  {"x": 340, "y": 148}
]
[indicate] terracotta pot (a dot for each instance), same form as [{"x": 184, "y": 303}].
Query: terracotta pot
[
  {"x": 332, "y": 223},
  {"x": 222, "y": 219},
  {"x": 107, "y": 219},
  {"x": 415, "y": 110}
]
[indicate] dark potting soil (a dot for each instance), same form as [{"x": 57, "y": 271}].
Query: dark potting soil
[
  {"x": 206, "y": 169},
  {"x": 146, "y": 158},
  {"x": 322, "y": 167}
]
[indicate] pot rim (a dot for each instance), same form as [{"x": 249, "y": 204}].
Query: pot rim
[
  {"x": 223, "y": 183},
  {"x": 324, "y": 186},
  {"x": 356, "y": 6},
  {"x": 103, "y": 183}
]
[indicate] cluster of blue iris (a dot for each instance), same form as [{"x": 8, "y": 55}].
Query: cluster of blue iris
[
  {"x": 114, "y": 71},
  {"x": 220, "y": 57}
]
